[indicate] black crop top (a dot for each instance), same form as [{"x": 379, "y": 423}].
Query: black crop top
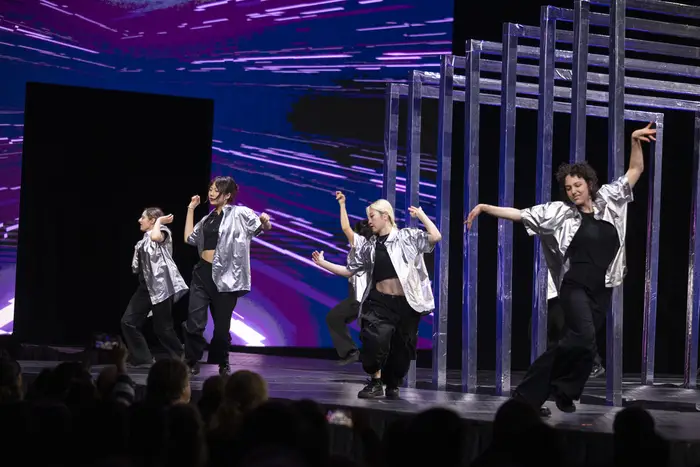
[
  {"x": 210, "y": 230},
  {"x": 592, "y": 250},
  {"x": 383, "y": 267}
]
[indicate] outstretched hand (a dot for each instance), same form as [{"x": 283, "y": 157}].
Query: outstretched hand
[
  {"x": 646, "y": 134},
  {"x": 478, "y": 209},
  {"x": 264, "y": 218},
  {"x": 317, "y": 256}
]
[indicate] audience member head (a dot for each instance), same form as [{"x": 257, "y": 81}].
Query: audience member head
[
  {"x": 212, "y": 395},
  {"x": 106, "y": 380},
  {"x": 168, "y": 383},
  {"x": 512, "y": 419},
  {"x": 636, "y": 440},
  {"x": 185, "y": 444},
  {"x": 436, "y": 430},
  {"x": 316, "y": 437},
  {"x": 244, "y": 391},
  {"x": 10, "y": 379}
]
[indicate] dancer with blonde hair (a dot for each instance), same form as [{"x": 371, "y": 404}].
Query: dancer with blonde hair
[{"x": 398, "y": 294}]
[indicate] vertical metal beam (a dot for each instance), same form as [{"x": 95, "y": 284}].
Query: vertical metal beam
[
  {"x": 543, "y": 179},
  {"x": 391, "y": 142},
  {"x": 616, "y": 161},
  {"x": 470, "y": 262},
  {"x": 692, "y": 319},
  {"x": 506, "y": 183},
  {"x": 579, "y": 82},
  {"x": 442, "y": 250},
  {"x": 415, "y": 100},
  {"x": 651, "y": 277}
]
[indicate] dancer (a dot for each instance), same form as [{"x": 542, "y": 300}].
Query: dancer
[
  {"x": 347, "y": 311},
  {"x": 160, "y": 285},
  {"x": 222, "y": 274},
  {"x": 399, "y": 292},
  {"x": 555, "y": 325},
  {"x": 584, "y": 247}
]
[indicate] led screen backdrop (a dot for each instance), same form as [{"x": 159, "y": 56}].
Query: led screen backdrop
[{"x": 298, "y": 114}]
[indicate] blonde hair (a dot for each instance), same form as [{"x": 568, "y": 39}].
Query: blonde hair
[{"x": 383, "y": 206}]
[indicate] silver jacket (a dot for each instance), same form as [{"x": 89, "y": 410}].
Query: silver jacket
[
  {"x": 155, "y": 261},
  {"x": 406, "y": 248},
  {"x": 557, "y": 223},
  {"x": 231, "y": 266},
  {"x": 359, "y": 280}
]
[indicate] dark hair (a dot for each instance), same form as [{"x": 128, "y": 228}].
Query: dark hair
[
  {"x": 225, "y": 186},
  {"x": 166, "y": 381},
  {"x": 154, "y": 213},
  {"x": 579, "y": 169},
  {"x": 363, "y": 228}
]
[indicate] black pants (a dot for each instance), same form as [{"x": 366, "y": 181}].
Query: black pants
[
  {"x": 389, "y": 335},
  {"x": 132, "y": 321},
  {"x": 555, "y": 326},
  {"x": 563, "y": 370},
  {"x": 203, "y": 295},
  {"x": 337, "y": 320}
]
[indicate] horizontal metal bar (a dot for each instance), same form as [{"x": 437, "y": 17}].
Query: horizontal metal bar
[
  {"x": 433, "y": 79},
  {"x": 662, "y": 7},
  {"x": 430, "y": 92},
  {"x": 599, "y": 40}
]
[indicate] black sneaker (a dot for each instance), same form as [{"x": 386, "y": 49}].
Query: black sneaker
[
  {"x": 194, "y": 368},
  {"x": 372, "y": 390},
  {"x": 392, "y": 393},
  {"x": 224, "y": 369},
  {"x": 598, "y": 371},
  {"x": 351, "y": 357},
  {"x": 565, "y": 404},
  {"x": 545, "y": 412}
]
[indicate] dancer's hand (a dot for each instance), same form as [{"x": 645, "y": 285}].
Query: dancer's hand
[
  {"x": 340, "y": 197},
  {"x": 194, "y": 202},
  {"x": 478, "y": 209},
  {"x": 164, "y": 220},
  {"x": 646, "y": 134},
  {"x": 317, "y": 256},
  {"x": 264, "y": 218},
  {"x": 415, "y": 211}
]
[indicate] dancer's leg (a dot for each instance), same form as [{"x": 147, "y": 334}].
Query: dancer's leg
[
  {"x": 378, "y": 326},
  {"x": 132, "y": 321},
  {"x": 163, "y": 327},
  {"x": 222, "y": 306},
  {"x": 337, "y": 320},
  {"x": 403, "y": 348},
  {"x": 196, "y": 321}
]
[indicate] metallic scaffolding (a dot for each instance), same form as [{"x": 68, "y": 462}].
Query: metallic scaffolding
[{"x": 574, "y": 97}]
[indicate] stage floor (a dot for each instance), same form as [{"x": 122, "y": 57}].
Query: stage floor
[{"x": 673, "y": 408}]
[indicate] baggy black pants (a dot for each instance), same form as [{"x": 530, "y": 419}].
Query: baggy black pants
[
  {"x": 389, "y": 336},
  {"x": 132, "y": 321},
  {"x": 562, "y": 371},
  {"x": 203, "y": 295},
  {"x": 338, "y": 319}
]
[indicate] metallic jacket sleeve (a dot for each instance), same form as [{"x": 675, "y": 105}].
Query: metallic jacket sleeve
[
  {"x": 251, "y": 222},
  {"x": 544, "y": 219},
  {"x": 360, "y": 258},
  {"x": 617, "y": 194},
  {"x": 135, "y": 260},
  {"x": 193, "y": 239},
  {"x": 419, "y": 239}
]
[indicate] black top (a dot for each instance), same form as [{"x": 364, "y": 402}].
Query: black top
[
  {"x": 591, "y": 251},
  {"x": 383, "y": 267},
  {"x": 210, "y": 230}
]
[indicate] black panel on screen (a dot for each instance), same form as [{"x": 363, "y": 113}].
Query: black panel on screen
[{"x": 93, "y": 160}]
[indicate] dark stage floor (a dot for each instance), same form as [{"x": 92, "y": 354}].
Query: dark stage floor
[{"x": 673, "y": 408}]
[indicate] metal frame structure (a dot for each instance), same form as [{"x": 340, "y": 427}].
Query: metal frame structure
[{"x": 579, "y": 76}]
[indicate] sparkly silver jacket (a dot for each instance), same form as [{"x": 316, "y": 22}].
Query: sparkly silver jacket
[
  {"x": 557, "y": 223},
  {"x": 231, "y": 266},
  {"x": 359, "y": 280},
  {"x": 155, "y": 261},
  {"x": 406, "y": 248}
]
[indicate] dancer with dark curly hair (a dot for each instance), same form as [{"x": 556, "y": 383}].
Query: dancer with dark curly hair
[
  {"x": 348, "y": 310},
  {"x": 583, "y": 241}
]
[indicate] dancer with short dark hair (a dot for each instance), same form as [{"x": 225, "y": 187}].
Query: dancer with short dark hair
[
  {"x": 583, "y": 240},
  {"x": 222, "y": 274},
  {"x": 348, "y": 310},
  {"x": 160, "y": 285},
  {"x": 399, "y": 293}
]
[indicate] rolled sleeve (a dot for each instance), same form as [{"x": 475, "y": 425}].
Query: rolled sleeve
[
  {"x": 193, "y": 238},
  {"x": 617, "y": 193},
  {"x": 251, "y": 222},
  {"x": 359, "y": 258},
  {"x": 543, "y": 219}
]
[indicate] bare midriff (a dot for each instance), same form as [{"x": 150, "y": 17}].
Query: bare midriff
[
  {"x": 390, "y": 287},
  {"x": 208, "y": 256}
]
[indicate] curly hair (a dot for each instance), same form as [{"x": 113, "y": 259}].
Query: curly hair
[{"x": 579, "y": 169}]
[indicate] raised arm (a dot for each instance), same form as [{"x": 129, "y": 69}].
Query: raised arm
[
  {"x": 499, "y": 212},
  {"x": 434, "y": 235},
  {"x": 156, "y": 232},
  {"x": 189, "y": 220},
  {"x": 336, "y": 269},
  {"x": 636, "y": 166},
  {"x": 344, "y": 219}
]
